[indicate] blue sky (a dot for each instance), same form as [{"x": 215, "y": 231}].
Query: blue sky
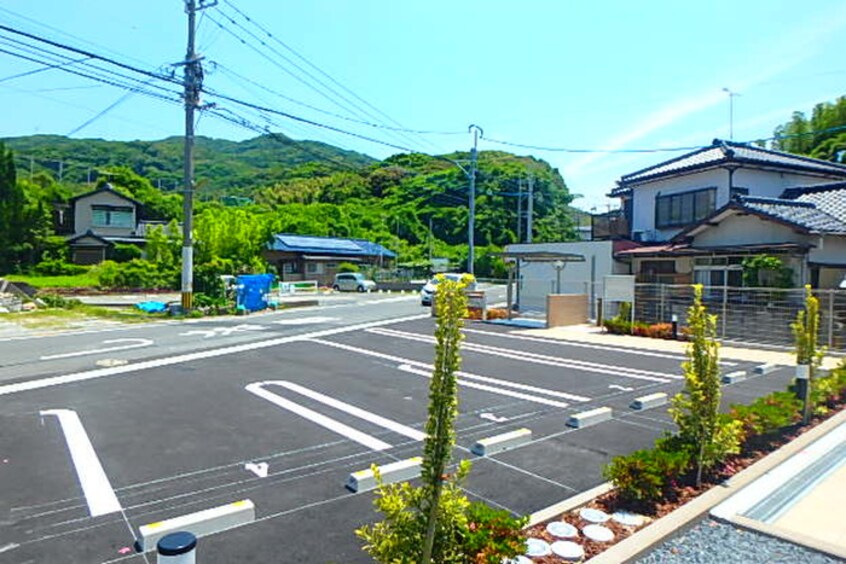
[{"x": 554, "y": 73}]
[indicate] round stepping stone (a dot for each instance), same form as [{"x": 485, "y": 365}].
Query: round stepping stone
[
  {"x": 562, "y": 530},
  {"x": 519, "y": 560},
  {"x": 537, "y": 547},
  {"x": 593, "y": 515},
  {"x": 568, "y": 550},
  {"x": 627, "y": 518},
  {"x": 598, "y": 533}
]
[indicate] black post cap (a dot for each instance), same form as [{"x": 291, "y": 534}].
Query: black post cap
[{"x": 175, "y": 544}]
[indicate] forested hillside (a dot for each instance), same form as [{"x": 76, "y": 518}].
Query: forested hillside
[
  {"x": 226, "y": 167},
  {"x": 414, "y": 204},
  {"x": 822, "y": 136}
]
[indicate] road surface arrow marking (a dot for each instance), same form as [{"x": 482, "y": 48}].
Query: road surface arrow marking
[
  {"x": 257, "y": 468},
  {"x": 494, "y": 418},
  {"x": 618, "y": 387}
]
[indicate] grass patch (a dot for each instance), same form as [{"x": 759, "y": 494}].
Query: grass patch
[
  {"x": 84, "y": 280},
  {"x": 59, "y": 318}
]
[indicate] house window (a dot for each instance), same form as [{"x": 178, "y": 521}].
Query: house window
[
  {"x": 290, "y": 268},
  {"x": 677, "y": 210},
  {"x": 110, "y": 216},
  {"x": 314, "y": 268},
  {"x": 718, "y": 271}
]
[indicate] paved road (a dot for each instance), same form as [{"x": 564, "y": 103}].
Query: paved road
[{"x": 314, "y": 401}]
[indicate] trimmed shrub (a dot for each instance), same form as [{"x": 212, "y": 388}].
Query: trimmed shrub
[
  {"x": 767, "y": 414},
  {"x": 645, "y": 475},
  {"x": 493, "y": 535},
  {"x": 347, "y": 267},
  {"x": 124, "y": 253},
  {"x": 57, "y": 301},
  {"x": 58, "y": 267}
]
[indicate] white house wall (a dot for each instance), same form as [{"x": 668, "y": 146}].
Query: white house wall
[
  {"x": 539, "y": 279},
  {"x": 747, "y": 230},
  {"x": 643, "y": 212},
  {"x": 83, "y": 214},
  {"x": 829, "y": 250},
  {"x": 761, "y": 183}
]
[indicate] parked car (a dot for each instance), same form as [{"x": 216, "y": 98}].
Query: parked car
[
  {"x": 427, "y": 293},
  {"x": 352, "y": 282}
]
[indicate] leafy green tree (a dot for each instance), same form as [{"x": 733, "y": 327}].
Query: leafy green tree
[
  {"x": 820, "y": 136},
  {"x": 12, "y": 220},
  {"x": 696, "y": 410}
]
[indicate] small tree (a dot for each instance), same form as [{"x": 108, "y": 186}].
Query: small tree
[
  {"x": 696, "y": 410},
  {"x": 436, "y": 522},
  {"x": 808, "y": 353},
  {"x": 451, "y": 308}
]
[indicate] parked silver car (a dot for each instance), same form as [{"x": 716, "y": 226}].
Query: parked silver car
[{"x": 353, "y": 282}]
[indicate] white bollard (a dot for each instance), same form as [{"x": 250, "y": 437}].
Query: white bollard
[{"x": 177, "y": 548}]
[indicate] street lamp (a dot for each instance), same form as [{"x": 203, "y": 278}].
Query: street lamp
[{"x": 559, "y": 266}]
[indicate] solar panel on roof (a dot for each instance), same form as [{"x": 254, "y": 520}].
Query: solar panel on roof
[{"x": 319, "y": 243}]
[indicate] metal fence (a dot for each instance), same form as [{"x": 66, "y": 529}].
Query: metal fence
[{"x": 753, "y": 315}]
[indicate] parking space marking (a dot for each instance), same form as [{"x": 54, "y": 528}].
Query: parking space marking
[
  {"x": 333, "y": 425},
  {"x": 135, "y": 344},
  {"x": 679, "y": 357},
  {"x": 485, "y": 388},
  {"x": 98, "y": 491},
  {"x": 351, "y": 409},
  {"x": 211, "y": 353},
  {"x": 621, "y": 371},
  {"x": 424, "y": 369}
]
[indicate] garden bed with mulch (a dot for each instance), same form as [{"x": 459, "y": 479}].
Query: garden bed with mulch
[{"x": 683, "y": 491}]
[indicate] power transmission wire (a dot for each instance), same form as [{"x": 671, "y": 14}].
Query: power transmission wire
[
  {"x": 312, "y": 65},
  {"x": 332, "y": 95},
  {"x": 230, "y": 71},
  {"x": 42, "y": 69},
  {"x": 128, "y": 94}
]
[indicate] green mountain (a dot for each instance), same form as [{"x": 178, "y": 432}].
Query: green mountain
[{"x": 223, "y": 168}]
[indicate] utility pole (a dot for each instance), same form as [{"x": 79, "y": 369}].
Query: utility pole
[
  {"x": 193, "y": 85},
  {"x": 471, "y": 256},
  {"x": 430, "y": 241},
  {"x": 530, "y": 209},
  {"x": 519, "y": 210}
]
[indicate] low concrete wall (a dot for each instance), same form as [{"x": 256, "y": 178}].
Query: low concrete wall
[
  {"x": 566, "y": 309},
  {"x": 400, "y": 286}
]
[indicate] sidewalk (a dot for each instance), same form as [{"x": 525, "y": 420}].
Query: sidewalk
[{"x": 594, "y": 335}]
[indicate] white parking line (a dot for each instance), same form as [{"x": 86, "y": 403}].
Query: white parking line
[
  {"x": 326, "y": 422},
  {"x": 211, "y": 353},
  {"x": 95, "y": 484},
  {"x": 352, "y": 410},
  {"x": 679, "y": 357},
  {"x": 425, "y": 369},
  {"x": 136, "y": 343},
  {"x": 465, "y": 384},
  {"x": 614, "y": 370}
]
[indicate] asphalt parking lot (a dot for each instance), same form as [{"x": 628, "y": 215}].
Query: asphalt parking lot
[{"x": 175, "y": 438}]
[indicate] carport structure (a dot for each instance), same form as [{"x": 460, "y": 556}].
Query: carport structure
[{"x": 513, "y": 259}]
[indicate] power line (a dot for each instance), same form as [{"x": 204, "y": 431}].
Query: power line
[
  {"x": 572, "y": 150},
  {"x": 35, "y": 71},
  {"x": 228, "y": 70},
  {"x": 316, "y": 68},
  {"x": 351, "y": 107}
]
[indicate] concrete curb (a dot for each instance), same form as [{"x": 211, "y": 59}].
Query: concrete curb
[{"x": 667, "y": 526}]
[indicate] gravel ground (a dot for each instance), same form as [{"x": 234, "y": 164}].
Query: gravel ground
[{"x": 711, "y": 542}]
